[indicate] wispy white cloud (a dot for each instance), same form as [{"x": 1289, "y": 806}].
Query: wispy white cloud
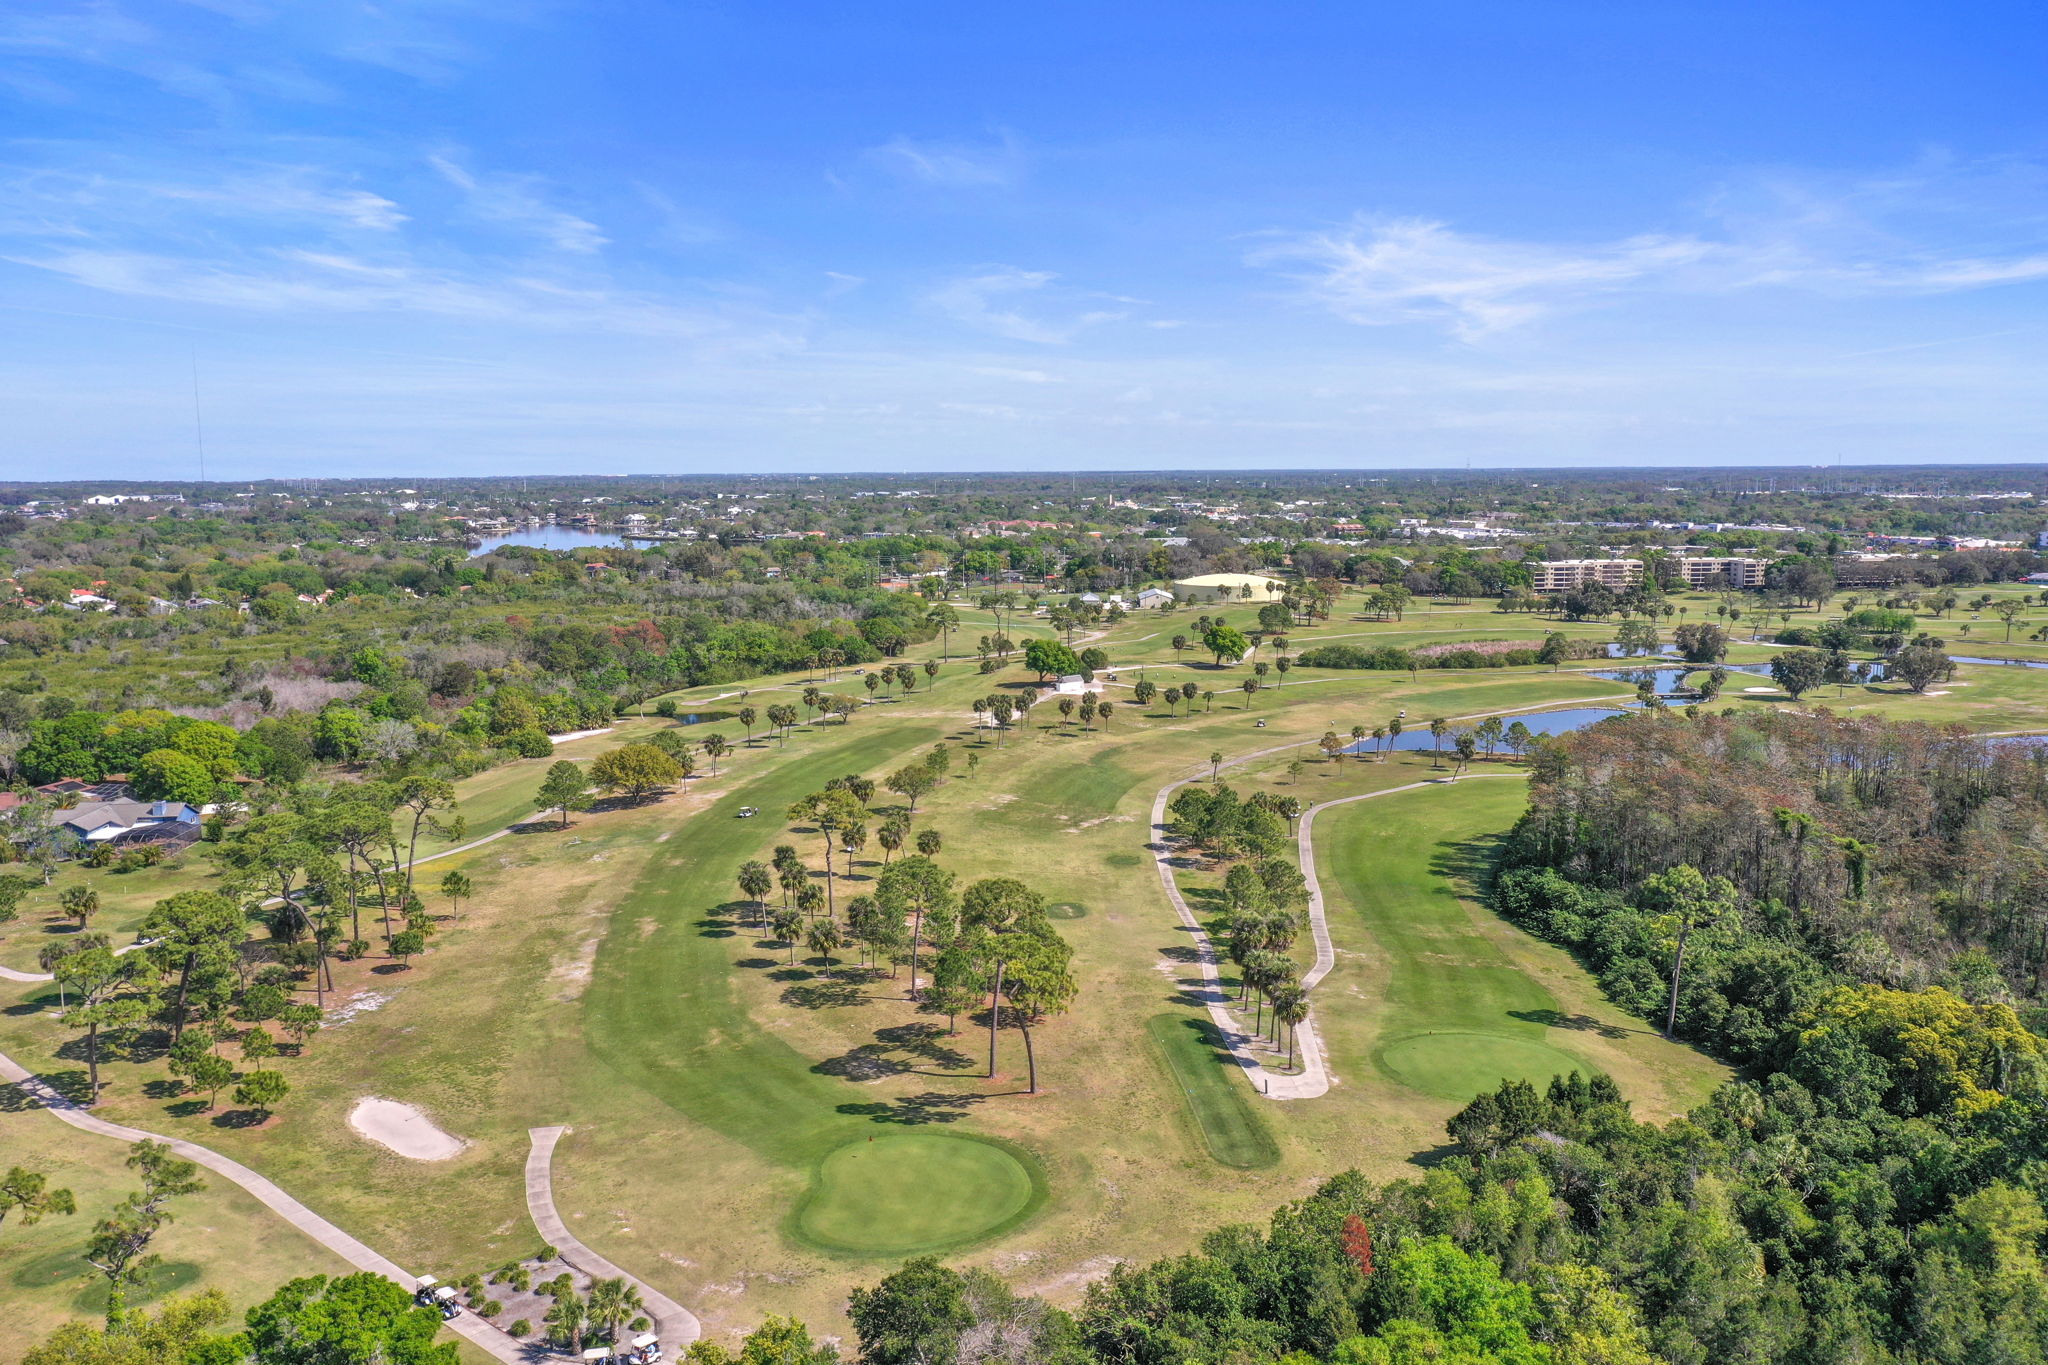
[
  {"x": 973, "y": 299},
  {"x": 1896, "y": 234},
  {"x": 1382, "y": 271},
  {"x": 296, "y": 281},
  {"x": 517, "y": 201},
  {"x": 955, "y": 164}
]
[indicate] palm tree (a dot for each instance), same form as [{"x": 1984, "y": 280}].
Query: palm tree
[
  {"x": 570, "y": 1318},
  {"x": 715, "y": 748},
  {"x": 748, "y": 715},
  {"x": 612, "y": 1304},
  {"x": 756, "y": 881},
  {"x": 1438, "y": 728},
  {"x": 1216, "y": 765},
  {"x": 1394, "y": 733},
  {"x": 788, "y": 922},
  {"x": 1290, "y": 1007},
  {"x": 823, "y": 939},
  {"x": 1379, "y": 742}
]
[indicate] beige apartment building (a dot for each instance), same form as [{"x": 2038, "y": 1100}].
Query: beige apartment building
[{"x": 1566, "y": 575}]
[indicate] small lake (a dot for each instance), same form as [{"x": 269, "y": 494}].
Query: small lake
[
  {"x": 1668, "y": 680},
  {"x": 549, "y": 538},
  {"x": 1558, "y": 722},
  {"x": 2014, "y": 663}
]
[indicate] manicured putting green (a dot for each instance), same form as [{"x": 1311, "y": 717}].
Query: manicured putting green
[
  {"x": 1217, "y": 1100},
  {"x": 903, "y": 1194},
  {"x": 1457, "y": 1066}
]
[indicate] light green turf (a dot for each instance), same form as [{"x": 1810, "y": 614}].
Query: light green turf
[
  {"x": 1218, "y": 1105},
  {"x": 901, "y": 1194},
  {"x": 1457, "y": 1065},
  {"x": 1459, "y": 1014}
]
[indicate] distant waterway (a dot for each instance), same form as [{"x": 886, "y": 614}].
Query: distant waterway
[{"x": 549, "y": 538}]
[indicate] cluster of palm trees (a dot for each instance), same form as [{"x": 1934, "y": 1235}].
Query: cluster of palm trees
[
  {"x": 1002, "y": 707},
  {"x": 1493, "y": 733},
  {"x": 1146, "y": 692},
  {"x": 604, "y": 1312},
  {"x": 1260, "y": 936}
]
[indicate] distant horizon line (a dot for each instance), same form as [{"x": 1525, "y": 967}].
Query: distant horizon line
[{"x": 1331, "y": 471}]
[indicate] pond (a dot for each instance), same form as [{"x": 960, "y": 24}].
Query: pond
[
  {"x": 1669, "y": 680},
  {"x": 2017, "y": 663},
  {"x": 549, "y": 538},
  {"x": 1558, "y": 722}
]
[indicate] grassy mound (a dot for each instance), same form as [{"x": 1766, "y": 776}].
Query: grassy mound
[
  {"x": 904, "y": 1194},
  {"x": 1219, "y": 1103}
]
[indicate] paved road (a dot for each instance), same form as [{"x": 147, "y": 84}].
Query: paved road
[
  {"x": 676, "y": 1325},
  {"x": 356, "y": 1253}
]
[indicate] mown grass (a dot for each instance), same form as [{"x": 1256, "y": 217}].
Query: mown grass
[
  {"x": 1455, "y": 1000},
  {"x": 1209, "y": 1081}
]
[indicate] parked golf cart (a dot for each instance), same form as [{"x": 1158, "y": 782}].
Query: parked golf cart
[{"x": 433, "y": 1294}]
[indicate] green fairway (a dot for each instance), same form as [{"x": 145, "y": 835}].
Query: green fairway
[
  {"x": 1457, "y": 1065},
  {"x": 1458, "y": 1014},
  {"x": 901, "y": 1194},
  {"x": 665, "y": 1012},
  {"x": 1219, "y": 1105}
]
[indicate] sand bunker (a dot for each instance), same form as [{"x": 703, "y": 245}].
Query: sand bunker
[{"x": 402, "y": 1128}]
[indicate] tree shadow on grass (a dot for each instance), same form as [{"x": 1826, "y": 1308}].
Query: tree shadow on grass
[
  {"x": 185, "y": 1109},
  {"x": 825, "y": 993},
  {"x": 240, "y": 1118},
  {"x": 758, "y": 963},
  {"x": 868, "y": 1062},
  {"x": 931, "y": 1107},
  {"x": 1431, "y": 1157},
  {"x": 1582, "y": 1023},
  {"x": 1470, "y": 863},
  {"x": 789, "y": 971},
  {"x": 1181, "y": 952},
  {"x": 1204, "y": 898}
]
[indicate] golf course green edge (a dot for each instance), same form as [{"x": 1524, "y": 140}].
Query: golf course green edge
[{"x": 893, "y": 1195}]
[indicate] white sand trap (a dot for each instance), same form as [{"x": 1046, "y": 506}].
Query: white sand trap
[
  {"x": 402, "y": 1128},
  {"x": 1759, "y": 689}
]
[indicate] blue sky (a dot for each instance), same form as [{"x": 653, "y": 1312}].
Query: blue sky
[{"x": 449, "y": 236}]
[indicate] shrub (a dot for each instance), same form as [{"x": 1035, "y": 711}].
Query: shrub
[
  {"x": 1357, "y": 656},
  {"x": 520, "y": 1327},
  {"x": 531, "y": 742}
]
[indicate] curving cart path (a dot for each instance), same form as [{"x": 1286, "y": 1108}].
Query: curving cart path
[
  {"x": 356, "y": 1253},
  {"x": 1314, "y": 1078},
  {"x": 676, "y": 1325}
]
